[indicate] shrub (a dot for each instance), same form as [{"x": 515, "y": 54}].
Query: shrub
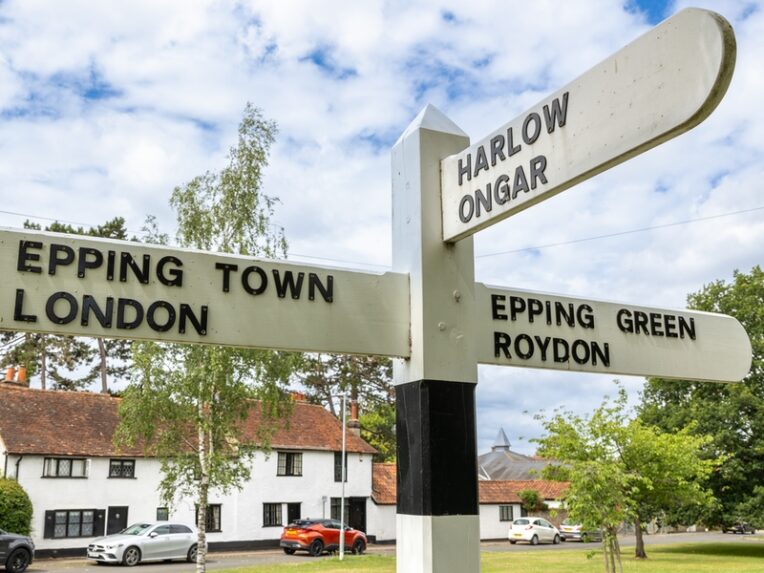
[{"x": 15, "y": 508}]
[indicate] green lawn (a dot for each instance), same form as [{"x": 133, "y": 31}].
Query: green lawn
[{"x": 686, "y": 558}]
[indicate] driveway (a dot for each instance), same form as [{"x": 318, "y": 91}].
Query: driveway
[{"x": 218, "y": 561}]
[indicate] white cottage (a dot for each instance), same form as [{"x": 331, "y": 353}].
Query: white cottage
[{"x": 58, "y": 445}]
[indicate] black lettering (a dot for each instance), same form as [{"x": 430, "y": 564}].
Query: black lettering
[
  {"x": 501, "y": 342},
  {"x": 50, "y": 308},
  {"x": 497, "y": 306},
  {"x": 122, "y": 305},
  {"x": 580, "y": 344},
  {"x": 558, "y": 113},
  {"x": 561, "y": 315},
  {"x": 656, "y": 324},
  {"x": 604, "y": 355},
  {"x": 288, "y": 284},
  {"x": 103, "y": 317},
  {"x": 501, "y": 192},
  {"x": 466, "y": 200},
  {"x": 535, "y": 308},
  {"x": 497, "y": 148},
  {"x": 527, "y": 339},
  {"x": 521, "y": 183},
  {"x": 686, "y": 327},
  {"x": 511, "y": 147},
  {"x": 484, "y": 200},
  {"x": 141, "y": 273},
  {"x": 83, "y": 263},
  {"x": 640, "y": 322},
  {"x": 543, "y": 344},
  {"x": 561, "y": 350},
  {"x": 18, "y": 308},
  {"x": 465, "y": 169},
  {"x": 187, "y": 314},
  {"x": 263, "y": 280},
  {"x": 585, "y": 316},
  {"x": 227, "y": 268},
  {"x": 111, "y": 258},
  {"x": 151, "y": 318},
  {"x": 516, "y": 305},
  {"x": 531, "y": 137},
  {"x": 538, "y": 165},
  {"x": 327, "y": 292},
  {"x": 481, "y": 162},
  {"x": 175, "y": 275},
  {"x": 59, "y": 255},
  {"x": 25, "y": 255},
  {"x": 624, "y": 320},
  {"x": 669, "y": 321}
]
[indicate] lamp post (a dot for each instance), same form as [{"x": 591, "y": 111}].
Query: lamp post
[{"x": 344, "y": 469}]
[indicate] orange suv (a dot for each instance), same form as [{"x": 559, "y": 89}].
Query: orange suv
[{"x": 318, "y": 535}]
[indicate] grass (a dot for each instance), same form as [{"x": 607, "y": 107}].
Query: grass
[{"x": 684, "y": 558}]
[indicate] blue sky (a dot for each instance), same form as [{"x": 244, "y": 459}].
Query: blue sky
[{"x": 104, "y": 109}]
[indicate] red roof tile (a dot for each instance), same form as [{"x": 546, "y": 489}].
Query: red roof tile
[
  {"x": 384, "y": 488},
  {"x": 83, "y": 423}
]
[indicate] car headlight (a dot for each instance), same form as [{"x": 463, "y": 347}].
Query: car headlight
[{"x": 112, "y": 547}]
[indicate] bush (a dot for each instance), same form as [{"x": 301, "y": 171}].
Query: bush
[{"x": 15, "y": 508}]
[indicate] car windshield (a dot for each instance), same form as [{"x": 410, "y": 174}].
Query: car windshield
[{"x": 136, "y": 529}]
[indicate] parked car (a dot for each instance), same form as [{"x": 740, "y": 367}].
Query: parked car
[
  {"x": 318, "y": 535},
  {"x": 574, "y": 531},
  {"x": 16, "y": 551},
  {"x": 146, "y": 542},
  {"x": 534, "y": 530},
  {"x": 739, "y": 527}
]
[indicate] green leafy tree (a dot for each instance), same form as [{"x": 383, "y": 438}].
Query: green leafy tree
[
  {"x": 531, "y": 501},
  {"x": 367, "y": 380},
  {"x": 187, "y": 403},
  {"x": 733, "y": 414},
  {"x": 621, "y": 469},
  {"x": 15, "y": 508}
]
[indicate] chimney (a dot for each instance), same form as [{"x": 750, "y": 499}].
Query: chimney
[
  {"x": 353, "y": 424},
  {"x": 16, "y": 376}
]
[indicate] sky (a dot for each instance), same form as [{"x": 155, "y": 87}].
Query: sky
[{"x": 105, "y": 107}]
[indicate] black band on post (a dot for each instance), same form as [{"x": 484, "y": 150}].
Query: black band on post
[{"x": 437, "y": 448}]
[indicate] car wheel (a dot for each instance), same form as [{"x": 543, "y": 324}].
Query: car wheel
[
  {"x": 512, "y": 541},
  {"x": 191, "y": 557},
  {"x": 556, "y": 540},
  {"x": 316, "y": 548},
  {"x": 18, "y": 561},
  {"x": 289, "y": 550},
  {"x": 131, "y": 557},
  {"x": 358, "y": 547},
  {"x": 534, "y": 540}
]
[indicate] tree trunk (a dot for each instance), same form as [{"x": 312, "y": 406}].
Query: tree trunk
[
  {"x": 639, "y": 550},
  {"x": 102, "y": 357},
  {"x": 611, "y": 551}
]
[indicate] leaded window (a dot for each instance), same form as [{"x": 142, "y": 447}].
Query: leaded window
[
  {"x": 122, "y": 468},
  {"x": 65, "y": 467},
  {"x": 74, "y": 523},
  {"x": 338, "y": 466},
  {"x": 289, "y": 464},
  {"x": 272, "y": 514},
  {"x": 505, "y": 513}
]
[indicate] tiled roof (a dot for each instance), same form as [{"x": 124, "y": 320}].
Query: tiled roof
[
  {"x": 383, "y": 484},
  {"x": 83, "y": 423},
  {"x": 383, "y": 488}
]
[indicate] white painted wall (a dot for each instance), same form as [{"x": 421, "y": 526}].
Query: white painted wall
[
  {"x": 490, "y": 525},
  {"x": 383, "y": 519},
  {"x": 241, "y": 511}
]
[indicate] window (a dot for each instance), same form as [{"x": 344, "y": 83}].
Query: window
[
  {"x": 290, "y": 464},
  {"x": 271, "y": 514},
  {"x": 177, "y": 528},
  {"x": 338, "y": 466},
  {"x": 213, "y": 517},
  {"x": 505, "y": 513},
  {"x": 293, "y": 512},
  {"x": 163, "y": 514},
  {"x": 65, "y": 467},
  {"x": 122, "y": 469},
  {"x": 73, "y": 523},
  {"x": 335, "y": 509},
  {"x": 162, "y": 530}
]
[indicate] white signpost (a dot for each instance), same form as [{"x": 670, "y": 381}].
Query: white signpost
[
  {"x": 662, "y": 84},
  {"x": 429, "y": 313}
]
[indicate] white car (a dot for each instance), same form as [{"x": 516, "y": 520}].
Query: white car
[
  {"x": 146, "y": 542},
  {"x": 534, "y": 530}
]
